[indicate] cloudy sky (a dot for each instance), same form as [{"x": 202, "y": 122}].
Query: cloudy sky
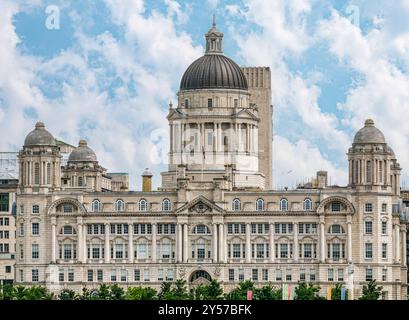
[{"x": 107, "y": 70}]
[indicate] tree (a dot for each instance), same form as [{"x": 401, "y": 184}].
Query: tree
[
  {"x": 371, "y": 291},
  {"x": 268, "y": 292},
  {"x": 116, "y": 292},
  {"x": 336, "y": 292},
  {"x": 211, "y": 291},
  {"x": 139, "y": 293},
  {"x": 240, "y": 292},
  {"x": 67, "y": 294},
  {"x": 179, "y": 291},
  {"x": 20, "y": 293},
  {"x": 7, "y": 292},
  {"x": 165, "y": 291},
  {"x": 38, "y": 293},
  {"x": 306, "y": 291}
]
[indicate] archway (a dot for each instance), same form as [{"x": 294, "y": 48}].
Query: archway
[{"x": 200, "y": 276}]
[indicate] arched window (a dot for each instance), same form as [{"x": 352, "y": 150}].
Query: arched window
[
  {"x": 143, "y": 205},
  {"x": 336, "y": 229},
  {"x": 368, "y": 171},
  {"x": 260, "y": 205},
  {"x": 36, "y": 173},
  {"x": 68, "y": 230},
  {"x": 119, "y": 205},
  {"x": 96, "y": 205},
  {"x": 201, "y": 229},
  {"x": 48, "y": 173},
  {"x": 236, "y": 205},
  {"x": 80, "y": 181},
  {"x": 307, "y": 204},
  {"x": 166, "y": 206},
  {"x": 283, "y": 205}
]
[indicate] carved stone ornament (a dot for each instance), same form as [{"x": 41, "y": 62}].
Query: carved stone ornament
[
  {"x": 200, "y": 208},
  {"x": 182, "y": 272},
  {"x": 217, "y": 271}
]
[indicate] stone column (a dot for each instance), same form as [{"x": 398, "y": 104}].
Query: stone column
[
  {"x": 225, "y": 242},
  {"x": 53, "y": 239},
  {"x": 397, "y": 243},
  {"x": 214, "y": 242},
  {"x": 296, "y": 253},
  {"x": 248, "y": 244},
  {"x": 130, "y": 243},
  {"x": 403, "y": 247},
  {"x": 154, "y": 242},
  {"x": 322, "y": 241},
  {"x": 185, "y": 244},
  {"x": 80, "y": 241},
  {"x": 107, "y": 248},
  {"x": 349, "y": 239},
  {"x": 272, "y": 244},
  {"x": 221, "y": 243},
  {"x": 84, "y": 246},
  {"x": 179, "y": 245},
  {"x": 214, "y": 147}
]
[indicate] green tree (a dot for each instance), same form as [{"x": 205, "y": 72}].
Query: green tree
[
  {"x": 140, "y": 293},
  {"x": 371, "y": 291},
  {"x": 179, "y": 290},
  {"x": 165, "y": 291},
  {"x": 38, "y": 293},
  {"x": 336, "y": 292},
  {"x": 20, "y": 293},
  {"x": 104, "y": 292},
  {"x": 67, "y": 294},
  {"x": 268, "y": 292},
  {"x": 7, "y": 292},
  {"x": 240, "y": 292},
  {"x": 211, "y": 291},
  {"x": 116, "y": 292},
  {"x": 306, "y": 291}
]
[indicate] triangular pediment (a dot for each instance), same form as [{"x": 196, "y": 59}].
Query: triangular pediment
[
  {"x": 245, "y": 113},
  {"x": 200, "y": 205},
  {"x": 175, "y": 114}
]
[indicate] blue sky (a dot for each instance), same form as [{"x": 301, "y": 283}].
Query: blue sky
[{"x": 108, "y": 73}]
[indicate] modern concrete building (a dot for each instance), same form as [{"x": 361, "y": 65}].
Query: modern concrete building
[{"x": 215, "y": 215}]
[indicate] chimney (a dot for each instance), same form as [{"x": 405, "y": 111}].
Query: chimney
[
  {"x": 147, "y": 181},
  {"x": 322, "y": 179}
]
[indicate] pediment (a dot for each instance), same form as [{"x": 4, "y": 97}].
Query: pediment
[
  {"x": 175, "y": 114},
  {"x": 200, "y": 205},
  {"x": 245, "y": 113}
]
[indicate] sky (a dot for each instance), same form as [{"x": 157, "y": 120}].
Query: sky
[{"x": 106, "y": 70}]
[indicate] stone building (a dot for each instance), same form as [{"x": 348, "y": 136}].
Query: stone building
[{"x": 215, "y": 215}]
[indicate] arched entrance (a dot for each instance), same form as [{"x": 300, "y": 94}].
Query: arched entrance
[{"x": 200, "y": 276}]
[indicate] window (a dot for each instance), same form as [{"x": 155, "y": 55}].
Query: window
[
  {"x": 201, "y": 229},
  {"x": 35, "y": 229},
  {"x": 186, "y": 103},
  {"x": 279, "y": 276},
  {"x": 264, "y": 274},
  {"x": 123, "y": 275},
  {"x": 21, "y": 230},
  {"x": 169, "y": 276},
  {"x": 100, "y": 275},
  {"x": 61, "y": 276},
  {"x": 34, "y": 251},
  {"x": 368, "y": 227},
  {"x": 36, "y": 209},
  {"x": 8, "y": 269},
  {"x": 113, "y": 275},
  {"x": 312, "y": 275},
  {"x": 210, "y": 103},
  {"x": 368, "y": 274},
  {"x": 21, "y": 251},
  {"x": 68, "y": 230},
  {"x": 368, "y": 207},
  {"x": 160, "y": 274},
  {"x": 34, "y": 275},
  {"x": 259, "y": 205},
  {"x": 22, "y": 210},
  {"x": 96, "y": 206},
  {"x": 36, "y": 173},
  {"x": 283, "y": 250},
  {"x": 241, "y": 274},
  {"x": 283, "y": 205},
  {"x": 254, "y": 273},
  {"x": 90, "y": 275},
  {"x": 307, "y": 228},
  {"x": 146, "y": 275},
  {"x": 336, "y": 206},
  {"x": 340, "y": 274},
  {"x": 68, "y": 208},
  {"x": 283, "y": 228},
  {"x": 119, "y": 228},
  {"x": 71, "y": 275},
  {"x": 236, "y": 205},
  {"x": 236, "y": 103},
  {"x": 302, "y": 275},
  {"x": 231, "y": 274},
  {"x": 384, "y": 250},
  {"x": 4, "y": 202},
  {"x": 336, "y": 229},
  {"x": 368, "y": 250},
  {"x": 166, "y": 206},
  {"x": 143, "y": 205},
  {"x": 307, "y": 205},
  {"x": 384, "y": 227},
  {"x": 384, "y": 274},
  {"x": 80, "y": 181},
  {"x": 137, "y": 275},
  {"x": 384, "y": 207},
  {"x": 288, "y": 275},
  {"x": 119, "y": 205},
  {"x": 330, "y": 274}
]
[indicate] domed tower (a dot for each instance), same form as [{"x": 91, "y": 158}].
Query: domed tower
[
  {"x": 214, "y": 127},
  {"x": 372, "y": 163},
  {"x": 39, "y": 162},
  {"x": 83, "y": 171}
]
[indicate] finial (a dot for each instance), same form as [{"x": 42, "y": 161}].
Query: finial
[
  {"x": 214, "y": 21},
  {"x": 369, "y": 123},
  {"x": 170, "y": 104}
]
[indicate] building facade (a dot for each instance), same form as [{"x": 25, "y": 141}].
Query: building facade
[{"x": 215, "y": 215}]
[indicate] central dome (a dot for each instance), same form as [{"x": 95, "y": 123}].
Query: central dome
[
  {"x": 369, "y": 134},
  {"x": 213, "y": 71}
]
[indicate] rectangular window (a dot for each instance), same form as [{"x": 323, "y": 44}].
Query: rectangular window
[
  {"x": 209, "y": 103},
  {"x": 288, "y": 275},
  {"x": 283, "y": 250},
  {"x": 302, "y": 275},
  {"x": 335, "y": 206},
  {"x": 34, "y": 275},
  {"x": 368, "y": 250},
  {"x": 384, "y": 274},
  {"x": 123, "y": 275},
  {"x": 231, "y": 274},
  {"x": 21, "y": 276},
  {"x": 368, "y": 274},
  {"x": 21, "y": 251},
  {"x": 137, "y": 275},
  {"x": 384, "y": 250},
  {"x": 368, "y": 227},
  {"x": 384, "y": 207},
  {"x": 100, "y": 275},
  {"x": 312, "y": 275},
  {"x": 160, "y": 274},
  {"x": 340, "y": 274},
  {"x": 241, "y": 274},
  {"x": 264, "y": 273},
  {"x": 34, "y": 251},
  {"x": 254, "y": 273},
  {"x": 368, "y": 207},
  {"x": 71, "y": 275},
  {"x": 279, "y": 275},
  {"x": 36, "y": 209},
  {"x": 61, "y": 277},
  {"x": 146, "y": 276},
  {"x": 330, "y": 274},
  {"x": 169, "y": 276},
  {"x": 236, "y": 103},
  {"x": 35, "y": 229},
  {"x": 4, "y": 202},
  {"x": 90, "y": 275},
  {"x": 113, "y": 275},
  {"x": 384, "y": 227}
]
